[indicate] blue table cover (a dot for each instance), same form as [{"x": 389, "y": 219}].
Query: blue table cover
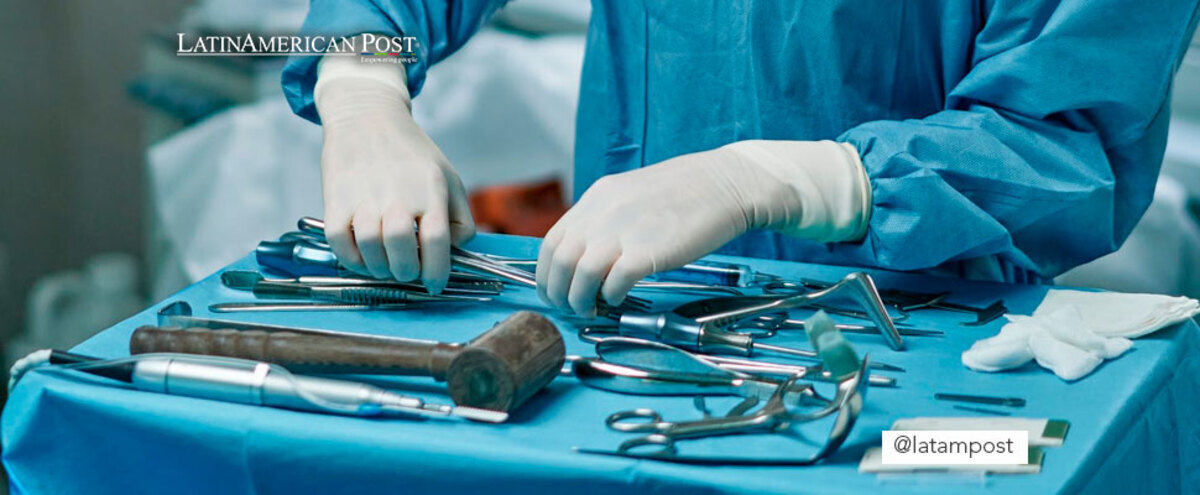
[{"x": 1133, "y": 427}]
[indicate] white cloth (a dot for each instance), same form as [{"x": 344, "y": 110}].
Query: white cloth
[
  {"x": 1114, "y": 314},
  {"x": 1072, "y": 332}
]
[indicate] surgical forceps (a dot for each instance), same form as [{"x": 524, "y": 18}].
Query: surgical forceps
[
  {"x": 773, "y": 417},
  {"x": 530, "y": 265},
  {"x": 352, "y": 294}
]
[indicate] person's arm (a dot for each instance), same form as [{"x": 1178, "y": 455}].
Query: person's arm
[
  {"x": 393, "y": 204},
  {"x": 440, "y": 26},
  {"x": 1047, "y": 151}
]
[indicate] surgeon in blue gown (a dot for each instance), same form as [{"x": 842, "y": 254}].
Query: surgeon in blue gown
[{"x": 999, "y": 139}]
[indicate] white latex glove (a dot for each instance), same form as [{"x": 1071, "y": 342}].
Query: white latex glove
[
  {"x": 393, "y": 203},
  {"x": 630, "y": 225}
]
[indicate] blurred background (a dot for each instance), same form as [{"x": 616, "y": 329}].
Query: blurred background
[{"x": 130, "y": 172}]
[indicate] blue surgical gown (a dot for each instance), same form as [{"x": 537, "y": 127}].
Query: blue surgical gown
[{"x": 1025, "y": 133}]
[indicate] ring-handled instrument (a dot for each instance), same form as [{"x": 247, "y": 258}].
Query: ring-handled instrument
[
  {"x": 644, "y": 367},
  {"x": 260, "y": 384},
  {"x": 315, "y": 265},
  {"x": 907, "y": 301},
  {"x": 465, "y": 260},
  {"x": 499, "y": 370},
  {"x": 661, "y": 437}
]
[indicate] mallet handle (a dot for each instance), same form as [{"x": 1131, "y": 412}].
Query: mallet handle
[{"x": 304, "y": 353}]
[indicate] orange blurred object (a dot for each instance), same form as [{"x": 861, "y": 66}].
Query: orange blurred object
[{"x": 524, "y": 209}]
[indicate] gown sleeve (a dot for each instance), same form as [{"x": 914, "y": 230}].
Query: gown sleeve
[
  {"x": 440, "y": 26},
  {"x": 1047, "y": 151}
]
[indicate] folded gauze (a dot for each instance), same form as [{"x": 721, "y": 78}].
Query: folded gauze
[{"x": 1072, "y": 332}]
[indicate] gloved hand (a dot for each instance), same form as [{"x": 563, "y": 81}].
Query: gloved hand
[
  {"x": 630, "y": 225},
  {"x": 393, "y": 203}
]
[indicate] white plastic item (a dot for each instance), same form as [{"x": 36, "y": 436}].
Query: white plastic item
[{"x": 66, "y": 308}]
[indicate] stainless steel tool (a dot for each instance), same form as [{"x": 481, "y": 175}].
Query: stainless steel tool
[
  {"x": 262, "y": 384},
  {"x": 661, "y": 437}
]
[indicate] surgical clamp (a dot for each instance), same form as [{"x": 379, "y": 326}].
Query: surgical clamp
[
  {"x": 772, "y": 417},
  {"x": 638, "y": 366}
]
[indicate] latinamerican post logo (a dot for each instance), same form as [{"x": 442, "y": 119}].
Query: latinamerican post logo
[{"x": 371, "y": 47}]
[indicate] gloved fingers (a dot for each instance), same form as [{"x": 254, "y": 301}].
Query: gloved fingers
[
  {"x": 546, "y": 257},
  {"x": 433, "y": 235},
  {"x": 562, "y": 270},
  {"x": 340, "y": 236},
  {"x": 400, "y": 243},
  {"x": 368, "y": 236},
  {"x": 593, "y": 266},
  {"x": 624, "y": 274},
  {"x": 462, "y": 224}
]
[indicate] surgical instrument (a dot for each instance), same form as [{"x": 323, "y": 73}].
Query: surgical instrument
[
  {"x": 646, "y": 284},
  {"x": 764, "y": 326},
  {"x": 981, "y": 399},
  {"x": 256, "y": 283},
  {"x": 724, "y": 312},
  {"x": 314, "y": 264},
  {"x": 637, "y": 364},
  {"x": 468, "y": 260},
  {"x": 982, "y": 410},
  {"x": 910, "y": 301},
  {"x": 672, "y": 330},
  {"x": 179, "y": 314},
  {"x": 260, "y": 384},
  {"x": 773, "y": 417},
  {"x": 498, "y": 370},
  {"x": 717, "y": 273},
  {"x": 463, "y": 283},
  {"x": 248, "y": 307}
]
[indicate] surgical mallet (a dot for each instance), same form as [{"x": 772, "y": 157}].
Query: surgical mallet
[{"x": 498, "y": 370}]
